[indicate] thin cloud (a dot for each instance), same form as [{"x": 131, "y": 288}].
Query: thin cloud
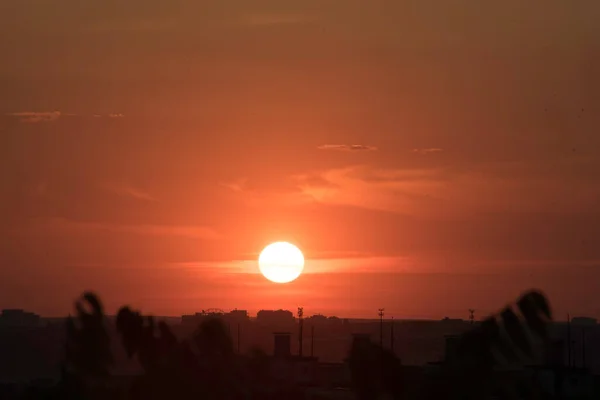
[
  {"x": 253, "y": 195},
  {"x": 347, "y": 147},
  {"x": 129, "y": 191},
  {"x": 393, "y": 190},
  {"x": 66, "y": 226},
  {"x": 276, "y": 19},
  {"x": 50, "y": 116},
  {"x": 236, "y": 186},
  {"x": 430, "y": 150},
  {"x": 360, "y": 263},
  {"x": 444, "y": 191},
  {"x": 223, "y": 267},
  {"x": 139, "y": 25},
  {"x": 36, "y": 116},
  {"x": 195, "y": 232}
]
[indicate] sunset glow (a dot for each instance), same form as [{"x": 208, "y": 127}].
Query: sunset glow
[{"x": 427, "y": 157}]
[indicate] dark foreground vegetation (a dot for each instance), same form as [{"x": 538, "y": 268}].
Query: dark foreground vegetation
[{"x": 206, "y": 366}]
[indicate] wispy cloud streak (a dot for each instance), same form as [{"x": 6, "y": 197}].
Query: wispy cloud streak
[
  {"x": 66, "y": 226},
  {"x": 50, "y": 116},
  {"x": 425, "y": 151},
  {"x": 35, "y": 116},
  {"x": 271, "y": 19},
  {"x": 129, "y": 191},
  {"x": 347, "y": 147}
]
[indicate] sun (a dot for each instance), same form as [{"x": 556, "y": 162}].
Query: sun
[{"x": 281, "y": 262}]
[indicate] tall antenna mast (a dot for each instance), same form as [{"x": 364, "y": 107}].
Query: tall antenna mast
[
  {"x": 471, "y": 315},
  {"x": 300, "y": 328},
  {"x": 583, "y": 347},
  {"x": 380, "y": 313},
  {"x": 238, "y": 338},
  {"x": 569, "y": 340},
  {"x": 392, "y": 336},
  {"x": 312, "y": 341}
]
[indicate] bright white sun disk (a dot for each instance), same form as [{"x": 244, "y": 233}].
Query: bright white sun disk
[{"x": 281, "y": 262}]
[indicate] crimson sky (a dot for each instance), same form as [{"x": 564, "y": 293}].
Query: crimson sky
[{"x": 428, "y": 157}]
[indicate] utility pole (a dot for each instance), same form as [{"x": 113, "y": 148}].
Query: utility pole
[
  {"x": 300, "y": 328},
  {"x": 583, "y": 347},
  {"x": 392, "y": 336},
  {"x": 471, "y": 315},
  {"x": 569, "y": 340},
  {"x": 312, "y": 341},
  {"x": 238, "y": 338},
  {"x": 380, "y": 313}
]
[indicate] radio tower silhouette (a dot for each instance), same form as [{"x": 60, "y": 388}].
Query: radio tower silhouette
[
  {"x": 380, "y": 313},
  {"x": 471, "y": 315},
  {"x": 392, "y": 336},
  {"x": 312, "y": 341},
  {"x": 300, "y": 328}
]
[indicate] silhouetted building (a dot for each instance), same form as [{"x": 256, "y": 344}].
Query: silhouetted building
[
  {"x": 333, "y": 375},
  {"x": 237, "y": 315},
  {"x": 234, "y": 316},
  {"x": 317, "y": 319},
  {"x": 275, "y": 317},
  {"x": 361, "y": 337},
  {"x": 452, "y": 320},
  {"x": 584, "y": 321},
  {"x": 290, "y": 370},
  {"x": 21, "y": 318},
  {"x": 190, "y": 319},
  {"x": 555, "y": 353},
  {"x": 580, "y": 338},
  {"x": 282, "y": 344},
  {"x": 451, "y": 346}
]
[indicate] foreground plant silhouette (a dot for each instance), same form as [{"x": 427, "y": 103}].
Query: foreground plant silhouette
[
  {"x": 88, "y": 357},
  {"x": 501, "y": 340},
  {"x": 204, "y": 367}
]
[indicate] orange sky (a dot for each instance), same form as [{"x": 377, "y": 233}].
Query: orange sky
[{"x": 147, "y": 147}]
